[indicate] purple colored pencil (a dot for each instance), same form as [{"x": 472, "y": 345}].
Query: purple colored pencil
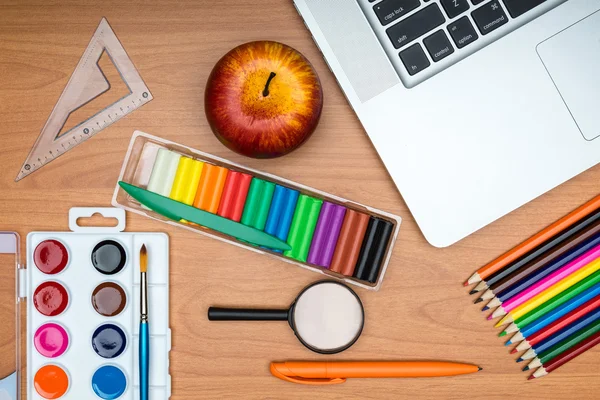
[{"x": 326, "y": 234}]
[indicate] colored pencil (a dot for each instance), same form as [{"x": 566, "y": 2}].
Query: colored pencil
[
  {"x": 557, "y": 294},
  {"x": 567, "y": 356},
  {"x": 554, "y": 327},
  {"x": 565, "y": 345},
  {"x": 545, "y": 265},
  {"x": 545, "y": 247},
  {"x": 528, "y": 327},
  {"x": 535, "y": 241},
  {"x": 555, "y": 283},
  {"x": 561, "y": 335},
  {"x": 557, "y": 300}
]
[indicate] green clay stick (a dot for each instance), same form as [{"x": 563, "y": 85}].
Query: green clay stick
[
  {"x": 258, "y": 203},
  {"x": 303, "y": 227}
]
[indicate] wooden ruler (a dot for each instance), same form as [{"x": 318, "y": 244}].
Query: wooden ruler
[{"x": 87, "y": 83}]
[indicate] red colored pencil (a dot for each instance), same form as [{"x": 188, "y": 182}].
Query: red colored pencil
[
  {"x": 557, "y": 325},
  {"x": 567, "y": 356}
]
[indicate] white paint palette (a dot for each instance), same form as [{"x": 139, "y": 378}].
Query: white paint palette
[{"x": 82, "y": 292}]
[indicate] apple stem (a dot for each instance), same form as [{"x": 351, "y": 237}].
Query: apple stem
[{"x": 266, "y": 91}]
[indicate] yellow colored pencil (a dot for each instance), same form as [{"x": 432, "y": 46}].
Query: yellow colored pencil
[{"x": 549, "y": 293}]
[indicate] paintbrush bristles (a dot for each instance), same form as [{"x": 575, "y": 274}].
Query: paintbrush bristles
[{"x": 143, "y": 259}]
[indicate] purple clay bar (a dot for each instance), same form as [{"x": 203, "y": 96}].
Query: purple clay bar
[{"x": 326, "y": 234}]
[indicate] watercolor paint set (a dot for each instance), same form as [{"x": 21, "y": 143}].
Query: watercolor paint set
[
  {"x": 76, "y": 329},
  {"x": 324, "y": 233}
]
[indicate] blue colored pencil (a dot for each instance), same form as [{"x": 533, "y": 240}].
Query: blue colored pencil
[
  {"x": 561, "y": 335},
  {"x": 555, "y": 314}
]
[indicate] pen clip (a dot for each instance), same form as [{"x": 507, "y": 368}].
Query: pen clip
[{"x": 306, "y": 381}]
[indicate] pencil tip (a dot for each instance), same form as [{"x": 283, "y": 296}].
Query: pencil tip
[
  {"x": 479, "y": 300},
  {"x": 503, "y": 333},
  {"x": 480, "y": 368},
  {"x": 507, "y": 343},
  {"x": 519, "y": 359},
  {"x": 531, "y": 377},
  {"x": 485, "y": 308},
  {"x": 473, "y": 291},
  {"x": 466, "y": 283},
  {"x": 513, "y": 351},
  {"x": 526, "y": 368}
]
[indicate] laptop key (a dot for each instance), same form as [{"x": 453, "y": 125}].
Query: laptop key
[
  {"x": 438, "y": 45},
  {"x": 416, "y": 25},
  {"x": 414, "y": 59},
  {"x": 390, "y": 10},
  {"x": 455, "y": 7},
  {"x": 516, "y": 8},
  {"x": 475, "y": 2},
  {"x": 462, "y": 32},
  {"x": 489, "y": 17}
]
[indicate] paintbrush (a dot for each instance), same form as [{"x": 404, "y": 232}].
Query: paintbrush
[{"x": 144, "y": 331}]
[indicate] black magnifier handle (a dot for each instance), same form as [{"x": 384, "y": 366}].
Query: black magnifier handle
[{"x": 246, "y": 314}]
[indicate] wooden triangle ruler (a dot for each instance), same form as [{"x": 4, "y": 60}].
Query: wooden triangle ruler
[{"x": 87, "y": 83}]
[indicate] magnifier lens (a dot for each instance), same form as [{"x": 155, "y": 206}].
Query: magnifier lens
[{"x": 328, "y": 317}]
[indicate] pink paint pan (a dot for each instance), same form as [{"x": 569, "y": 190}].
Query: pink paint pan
[{"x": 51, "y": 340}]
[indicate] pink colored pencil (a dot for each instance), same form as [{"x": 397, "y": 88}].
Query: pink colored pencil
[{"x": 551, "y": 279}]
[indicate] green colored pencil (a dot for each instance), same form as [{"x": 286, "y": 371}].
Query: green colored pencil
[
  {"x": 559, "y": 299},
  {"x": 564, "y": 345}
]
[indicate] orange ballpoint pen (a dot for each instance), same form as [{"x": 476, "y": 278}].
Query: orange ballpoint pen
[{"x": 330, "y": 372}]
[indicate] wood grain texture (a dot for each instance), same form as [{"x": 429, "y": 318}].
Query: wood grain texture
[{"x": 422, "y": 311}]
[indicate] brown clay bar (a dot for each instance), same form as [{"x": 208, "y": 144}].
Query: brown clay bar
[{"x": 349, "y": 242}]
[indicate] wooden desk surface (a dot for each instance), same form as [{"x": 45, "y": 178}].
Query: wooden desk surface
[{"x": 422, "y": 311}]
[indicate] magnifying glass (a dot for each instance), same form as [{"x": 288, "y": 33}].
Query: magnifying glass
[{"x": 327, "y": 316}]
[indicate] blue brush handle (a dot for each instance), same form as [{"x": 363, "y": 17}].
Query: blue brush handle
[{"x": 144, "y": 360}]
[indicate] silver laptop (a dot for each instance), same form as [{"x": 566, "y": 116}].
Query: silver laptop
[{"x": 475, "y": 106}]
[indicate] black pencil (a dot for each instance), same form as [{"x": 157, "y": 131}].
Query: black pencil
[{"x": 539, "y": 251}]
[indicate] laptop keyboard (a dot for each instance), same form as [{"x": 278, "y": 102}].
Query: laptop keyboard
[{"x": 425, "y": 32}]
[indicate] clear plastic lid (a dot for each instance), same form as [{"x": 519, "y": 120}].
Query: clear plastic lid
[{"x": 10, "y": 313}]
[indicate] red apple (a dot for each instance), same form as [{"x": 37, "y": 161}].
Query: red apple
[{"x": 263, "y": 99}]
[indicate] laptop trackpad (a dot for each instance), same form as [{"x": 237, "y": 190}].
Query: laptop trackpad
[{"x": 572, "y": 58}]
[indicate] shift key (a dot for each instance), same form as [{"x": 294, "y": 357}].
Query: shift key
[{"x": 416, "y": 25}]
